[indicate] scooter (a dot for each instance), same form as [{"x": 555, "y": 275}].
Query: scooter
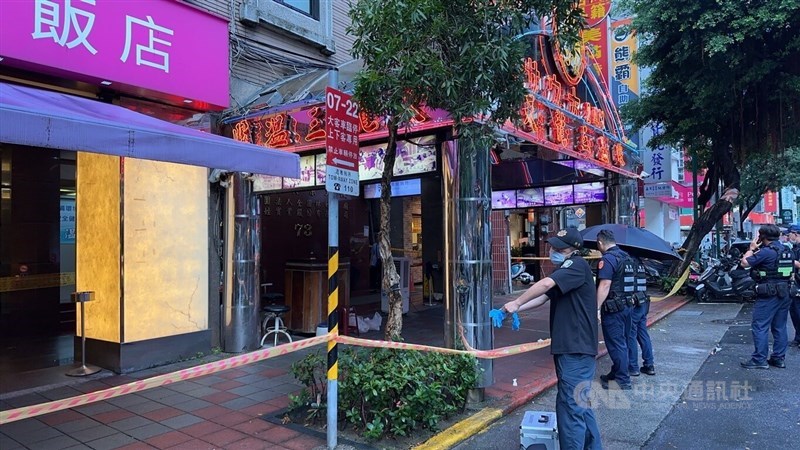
[
  {"x": 518, "y": 273},
  {"x": 724, "y": 281}
]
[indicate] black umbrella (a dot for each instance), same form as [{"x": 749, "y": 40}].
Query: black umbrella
[{"x": 636, "y": 241}]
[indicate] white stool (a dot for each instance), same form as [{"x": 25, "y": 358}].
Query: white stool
[{"x": 274, "y": 312}]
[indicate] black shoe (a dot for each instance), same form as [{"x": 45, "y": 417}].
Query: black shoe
[
  {"x": 794, "y": 343},
  {"x": 754, "y": 365},
  {"x": 634, "y": 373},
  {"x": 648, "y": 370},
  {"x": 775, "y": 362},
  {"x": 607, "y": 378},
  {"x": 626, "y": 387}
]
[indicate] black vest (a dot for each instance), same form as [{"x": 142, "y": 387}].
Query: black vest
[
  {"x": 781, "y": 269},
  {"x": 624, "y": 284}
]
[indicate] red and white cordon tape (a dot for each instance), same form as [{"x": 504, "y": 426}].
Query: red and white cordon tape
[
  {"x": 26, "y": 412},
  {"x": 14, "y": 415}
]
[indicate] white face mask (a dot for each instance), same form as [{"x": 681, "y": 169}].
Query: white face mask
[{"x": 557, "y": 258}]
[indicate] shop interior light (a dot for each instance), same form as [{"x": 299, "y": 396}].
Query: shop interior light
[
  {"x": 105, "y": 83},
  {"x": 531, "y": 216},
  {"x": 187, "y": 101}
]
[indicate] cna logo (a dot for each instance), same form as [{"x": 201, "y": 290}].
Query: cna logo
[{"x": 588, "y": 394}]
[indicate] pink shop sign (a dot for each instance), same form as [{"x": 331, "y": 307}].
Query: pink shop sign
[{"x": 158, "y": 48}]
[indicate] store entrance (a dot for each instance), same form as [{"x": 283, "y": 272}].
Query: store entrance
[{"x": 37, "y": 259}]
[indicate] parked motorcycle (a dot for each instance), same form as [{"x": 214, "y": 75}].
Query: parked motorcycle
[
  {"x": 518, "y": 273},
  {"x": 723, "y": 280}
]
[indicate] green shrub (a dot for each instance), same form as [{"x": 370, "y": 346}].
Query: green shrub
[
  {"x": 667, "y": 283},
  {"x": 385, "y": 392}
]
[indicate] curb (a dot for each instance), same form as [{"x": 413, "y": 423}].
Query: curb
[{"x": 481, "y": 420}]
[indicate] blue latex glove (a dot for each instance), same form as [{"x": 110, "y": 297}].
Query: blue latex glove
[{"x": 498, "y": 316}]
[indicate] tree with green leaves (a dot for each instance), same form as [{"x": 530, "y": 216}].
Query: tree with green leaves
[
  {"x": 725, "y": 84},
  {"x": 460, "y": 56},
  {"x": 766, "y": 173}
]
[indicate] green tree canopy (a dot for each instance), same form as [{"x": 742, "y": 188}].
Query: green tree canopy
[
  {"x": 725, "y": 84},
  {"x": 763, "y": 173}
]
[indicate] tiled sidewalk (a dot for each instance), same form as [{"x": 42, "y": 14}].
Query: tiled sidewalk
[{"x": 224, "y": 410}]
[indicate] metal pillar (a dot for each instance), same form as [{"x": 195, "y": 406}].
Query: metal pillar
[
  {"x": 240, "y": 312},
  {"x": 333, "y": 305},
  {"x": 468, "y": 243}
]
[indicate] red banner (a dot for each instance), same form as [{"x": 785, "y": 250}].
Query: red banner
[{"x": 771, "y": 202}]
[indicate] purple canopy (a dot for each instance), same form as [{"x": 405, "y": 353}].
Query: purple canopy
[{"x": 48, "y": 119}]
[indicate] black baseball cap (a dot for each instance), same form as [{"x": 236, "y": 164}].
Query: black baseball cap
[{"x": 569, "y": 237}]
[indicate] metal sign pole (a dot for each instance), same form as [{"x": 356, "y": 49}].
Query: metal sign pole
[
  {"x": 341, "y": 178},
  {"x": 333, "y": 301}
]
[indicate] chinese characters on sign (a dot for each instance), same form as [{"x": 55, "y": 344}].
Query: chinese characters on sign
[
  {"x": 130, "y": 45},
  {"x": 67, "y": 220},
  {"x": 624, "y": 73},
  {"x": 60, "y": 24},
  {"x": 342, "y": 125},
  {"x": 547, "y": 124},
  {"x": 595, "y": 11}
]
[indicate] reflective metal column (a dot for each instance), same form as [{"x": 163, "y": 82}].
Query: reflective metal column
[
  {"x": 241, "y": 309},
  {"x": 468, "y": 279}
]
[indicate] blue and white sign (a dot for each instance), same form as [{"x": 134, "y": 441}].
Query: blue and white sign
[{"x": 67, "y": 219}]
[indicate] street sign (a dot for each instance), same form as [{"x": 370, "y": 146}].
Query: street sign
[
  {"x": 341, "y": 143},
  {"x": 658, "y": 190},
  {"x": 787, "y": 216}
]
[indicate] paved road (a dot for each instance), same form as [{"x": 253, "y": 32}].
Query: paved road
[{"x": 689, "y": 403}]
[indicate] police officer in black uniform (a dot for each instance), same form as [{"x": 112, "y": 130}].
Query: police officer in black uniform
[
  {"x": 639, "y": 336},
  {"x": 616, "y": 284},
  {"x": 794, "y": 308},
  {"x": 573, "y": 333},
  {"x": 772, "y": 265}
]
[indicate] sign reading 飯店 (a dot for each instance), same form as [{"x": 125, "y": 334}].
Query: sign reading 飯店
[
  {"x": 164, "y": 48},
  {"x": 341, "y": 143}
]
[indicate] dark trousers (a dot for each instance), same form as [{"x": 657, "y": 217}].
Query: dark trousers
[
  {"x": 794, "y": 312},
  {"x": 770, "y": 314},
  {"x": 639, "y": 337},
  {"x": 577, "y": 427},
  {"x": 616, "y": 329}
]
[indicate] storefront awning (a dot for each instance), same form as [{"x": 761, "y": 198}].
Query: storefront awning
[{"x": 48, "y": 119}]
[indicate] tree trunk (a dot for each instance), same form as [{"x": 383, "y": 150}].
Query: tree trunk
[
  {"x": 747, "y": 211},
  {"x": 390, "y": 280},
  {"x": 724, "y": 168}
]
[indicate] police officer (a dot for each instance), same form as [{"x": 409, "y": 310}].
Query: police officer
[
  {"x": 772, "y": 265},
  {"x": 616, "y": 284},
  {"x": 573, "y": 334},
  {"x": 639, "y": 336},
  {"x": 794, "y": 308}
]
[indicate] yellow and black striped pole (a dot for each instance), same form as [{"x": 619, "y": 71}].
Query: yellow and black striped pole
[{"x": 333, "y": 317}]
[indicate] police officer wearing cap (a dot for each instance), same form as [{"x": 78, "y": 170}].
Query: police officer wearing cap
[
  {"x": 616, "y": 284},
  {"x": 772, "y": 265},
  {"x": 794, "y": 308},
  {"x": 573, "y": 333}
]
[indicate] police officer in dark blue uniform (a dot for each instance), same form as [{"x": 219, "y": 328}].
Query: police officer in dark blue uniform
[
  {"x": 616, "y": 284},
  {"x": 794, "y": 308},
  {"x": 573, "y": 333},
  {"x": 639, "y": 336},
  {"x": 772, "y": 265}
]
